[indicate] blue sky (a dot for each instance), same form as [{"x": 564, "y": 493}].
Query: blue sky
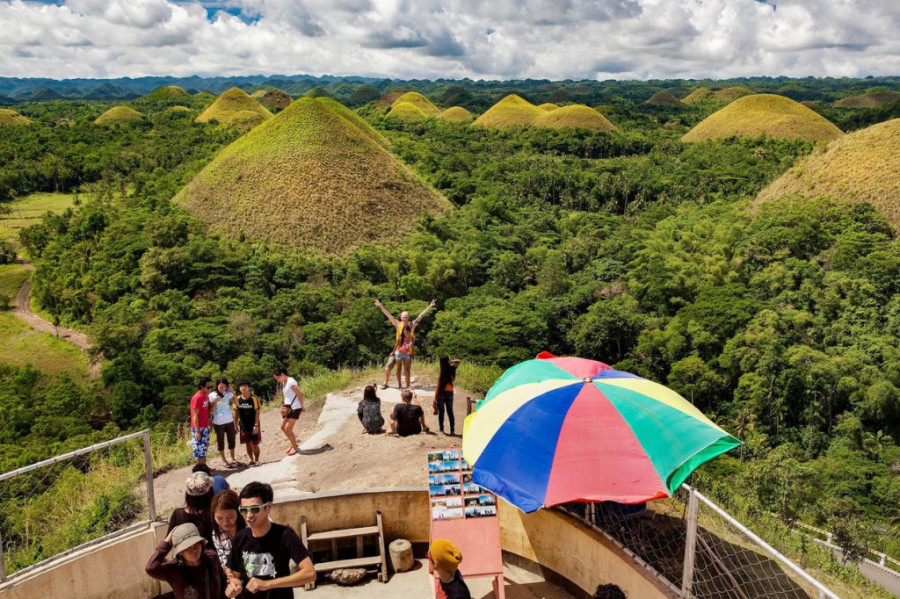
[{"x": 500, "y": 39}]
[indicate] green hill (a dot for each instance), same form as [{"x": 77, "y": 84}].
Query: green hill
[
  {"x": 664, "y": 99},
  {"x": 234, "y": 107},
  {"x": 574, "y": 115},
  {"x": 764, "y": 115},
  {"x": 870, "y": 100},
  {"x": 419, "y": 101},
  {"x": 119, "y": 115},
  {"x": 701, "y": 95},
  {"x": 511, "y": 111},
  {"x": 859, "y": 167},
  {"x": 407, "y": 112},
  {"x": 275, "y": 100},
  {"x": 258, "y": 94},
  {"x": 389, "y": 97},
  {"x": 730, "y": 94},
  {"x": 11, "y": 118},
  {"x": 457, "y": 114},
  {"x": 311, "y": 177},
  {"x": 318, "y": 92},
  {"x": 167, "y": 95},
  {"x": 548, "y": 106},
  {"x": 204, "y": 98}
]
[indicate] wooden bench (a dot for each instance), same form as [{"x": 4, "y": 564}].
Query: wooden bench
[{"x": 375, "y": 562}]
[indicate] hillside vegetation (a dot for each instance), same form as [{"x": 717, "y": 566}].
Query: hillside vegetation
[
  {"x": 512, "y": 111},
  {"x": 730, "y": 94},
  {"x": 236, "y": 108},
  {"x": 406, "y": 112},
  {"x": 11, "y": 118},
  {"x": 870, "y": 100},
  {"x": 863, "y": 166},
  {"x": 120, "y": 115},
  {"x": 574, "y": 115},
  {"x": 701, "y": 95},
  {"x": 310, "y": 178},
  {"x": 167, "y": 95},
  {"x": 275, "y": 100},
  {"x": 664, "y": 99},
  {"x": 456, "y": 114},
  {"x": 548, "y": 106},
  {"x": 419, "y": 101},
  {"x": 764, "y": 115}
]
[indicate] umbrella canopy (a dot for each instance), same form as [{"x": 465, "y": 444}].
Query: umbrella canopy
[{"x": 553, "y": 430}]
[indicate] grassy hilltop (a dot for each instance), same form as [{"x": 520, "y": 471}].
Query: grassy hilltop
[
  {"x": 764, "y": 115},
  {"x": 575, "y": 115},
  {"x": 236, "y": 108},
  {"x": 419, "y": 101},
  {"x": 11, "y": 118},
  {"x": 859, "y": 167},
  {"x": 119, "y": 115},
  {"x": 511, "y": 111},
  {"x": 315, "y": 176}
]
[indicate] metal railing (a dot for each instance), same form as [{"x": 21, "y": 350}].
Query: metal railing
[{"x": 40, "y": 478}]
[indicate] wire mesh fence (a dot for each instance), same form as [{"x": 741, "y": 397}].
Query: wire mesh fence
[
  {"x": 56, "y": 506},
  {"x": 698, "y": 550}
]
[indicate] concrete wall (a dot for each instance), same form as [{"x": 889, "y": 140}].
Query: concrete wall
[{"x": 555, "y": 541}]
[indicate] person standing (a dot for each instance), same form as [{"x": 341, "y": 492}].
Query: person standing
[
  {"x": 291, "y": 407},
  {"x": 443, "y": 392},
  {"x": 404, "y": 342},
  {"x": 221, "y": 404},
  {"x": 187, "y": 565},
  {"x": 248, "y": 421},
  {"x": 200, "y": 419},
  {"x": 407, "y": 417},
  {"x": 259, "y": 565}
]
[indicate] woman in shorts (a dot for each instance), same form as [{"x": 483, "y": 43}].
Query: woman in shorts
[
  {"x": 220, "y": 405},
  {"x": 248, "y": 421},
  {"x": 291, "y": 407}
]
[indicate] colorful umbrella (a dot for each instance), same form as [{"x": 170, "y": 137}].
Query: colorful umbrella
[{"x": 553, "y": 430}]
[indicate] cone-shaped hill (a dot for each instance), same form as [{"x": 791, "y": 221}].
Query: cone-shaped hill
[
  {"x": 119, "y": 115},
  {"x": 457, "y": 114},
  {"x": 419, "y": 101},
  {"x": 730, "y": 94},
  {"x": 701, "y": 95},
  {"x": 258, "y": 94},
  {"x": 859, "y": 167},
  {"x": 575, "y": 115},
  {"x": 870, "y": 100},
  {"x": 548, "y": 106},
  {"x": 312, "y": 177},
  {"x": 764, "y": 114},
  {"x": 511, "y": 111},
  {"x": 275, "y": 100},
  {"x": 11, "y": 118},
  {"x": 406, "y": 112},
  {"x": 664, "y": 99},
  {"x": 167, "y": 95},
  {"x": 234, "y": 107}
]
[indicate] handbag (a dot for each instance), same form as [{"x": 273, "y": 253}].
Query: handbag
[{"x": 285, "y": 410}]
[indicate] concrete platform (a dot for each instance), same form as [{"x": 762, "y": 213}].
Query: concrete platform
[{"x": 520, "y": 584}]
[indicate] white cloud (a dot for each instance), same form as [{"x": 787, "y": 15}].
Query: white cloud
[{"x": 553, "y": 39}]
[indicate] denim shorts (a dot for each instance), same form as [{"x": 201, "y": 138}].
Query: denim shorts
[{"x": 401, "y": 357}]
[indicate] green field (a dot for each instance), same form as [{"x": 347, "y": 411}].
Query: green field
[
  {"x": 11, "y": 278},
  {"x": 28, "y": 210},
  {"x": 21, "y": 345}
]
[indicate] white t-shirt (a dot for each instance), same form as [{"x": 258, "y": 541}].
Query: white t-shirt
[
  {"x": 290, "y": 398},
  {"x": 223, "y": 414}
]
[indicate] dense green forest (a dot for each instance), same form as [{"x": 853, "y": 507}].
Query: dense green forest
[{"x": 631, "y": 248}]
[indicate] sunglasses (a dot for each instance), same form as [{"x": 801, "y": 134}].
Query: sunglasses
[{"x": 252, "y": 509}]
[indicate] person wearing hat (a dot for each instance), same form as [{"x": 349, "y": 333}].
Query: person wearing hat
[
  {"x": 444, "y": 558},
  {"x": 187, "y": 565},
  {"x": 198, "y": 496}
]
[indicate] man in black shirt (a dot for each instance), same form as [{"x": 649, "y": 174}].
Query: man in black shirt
[
  {"x": 260, "y": 554},
  {"x": 407, "y": 417}
]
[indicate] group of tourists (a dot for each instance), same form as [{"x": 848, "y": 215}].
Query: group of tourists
[
  {"x": 236, "y": 415},
  {"x": 226, "y": 545}
]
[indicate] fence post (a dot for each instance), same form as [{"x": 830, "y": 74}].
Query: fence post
[
  {"x": 2, "y": 562},
  {"x": 148, "y": 466},
  {"x": 690, "y": 544},
  {"x": 470, "y": 403}
]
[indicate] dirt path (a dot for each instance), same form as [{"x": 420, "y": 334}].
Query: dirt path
[
  {"x": 22, "y": 311},
  {"x": 335, "y": 454}
]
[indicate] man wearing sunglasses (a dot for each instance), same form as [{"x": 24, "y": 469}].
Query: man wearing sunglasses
[{"x": 259, "y": 565}]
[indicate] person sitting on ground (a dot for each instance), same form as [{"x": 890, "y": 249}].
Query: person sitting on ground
[
  {"x": 259, "y": 565},
  {"x": 369, "y": 412},
  {"x": 198, "y": 497},
  {"x": 221, "y": 402},
  {"x": 444, "y": 558},
  {"x": 291, "y": 407},
  {"x": 181, "y": 560},
  {"x": 404, "y": 328},
  {"x": 226, "y": 522},
  {"x": 200, "y": 419},
  {"x": 220, "y": 483},
  {"x": 248, "y": 421},
  {"x": 443, "y": 392},
  {"x": 408, "y": 417}
]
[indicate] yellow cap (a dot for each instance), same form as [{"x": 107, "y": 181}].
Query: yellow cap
[{"x": 445, "y": 555}]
